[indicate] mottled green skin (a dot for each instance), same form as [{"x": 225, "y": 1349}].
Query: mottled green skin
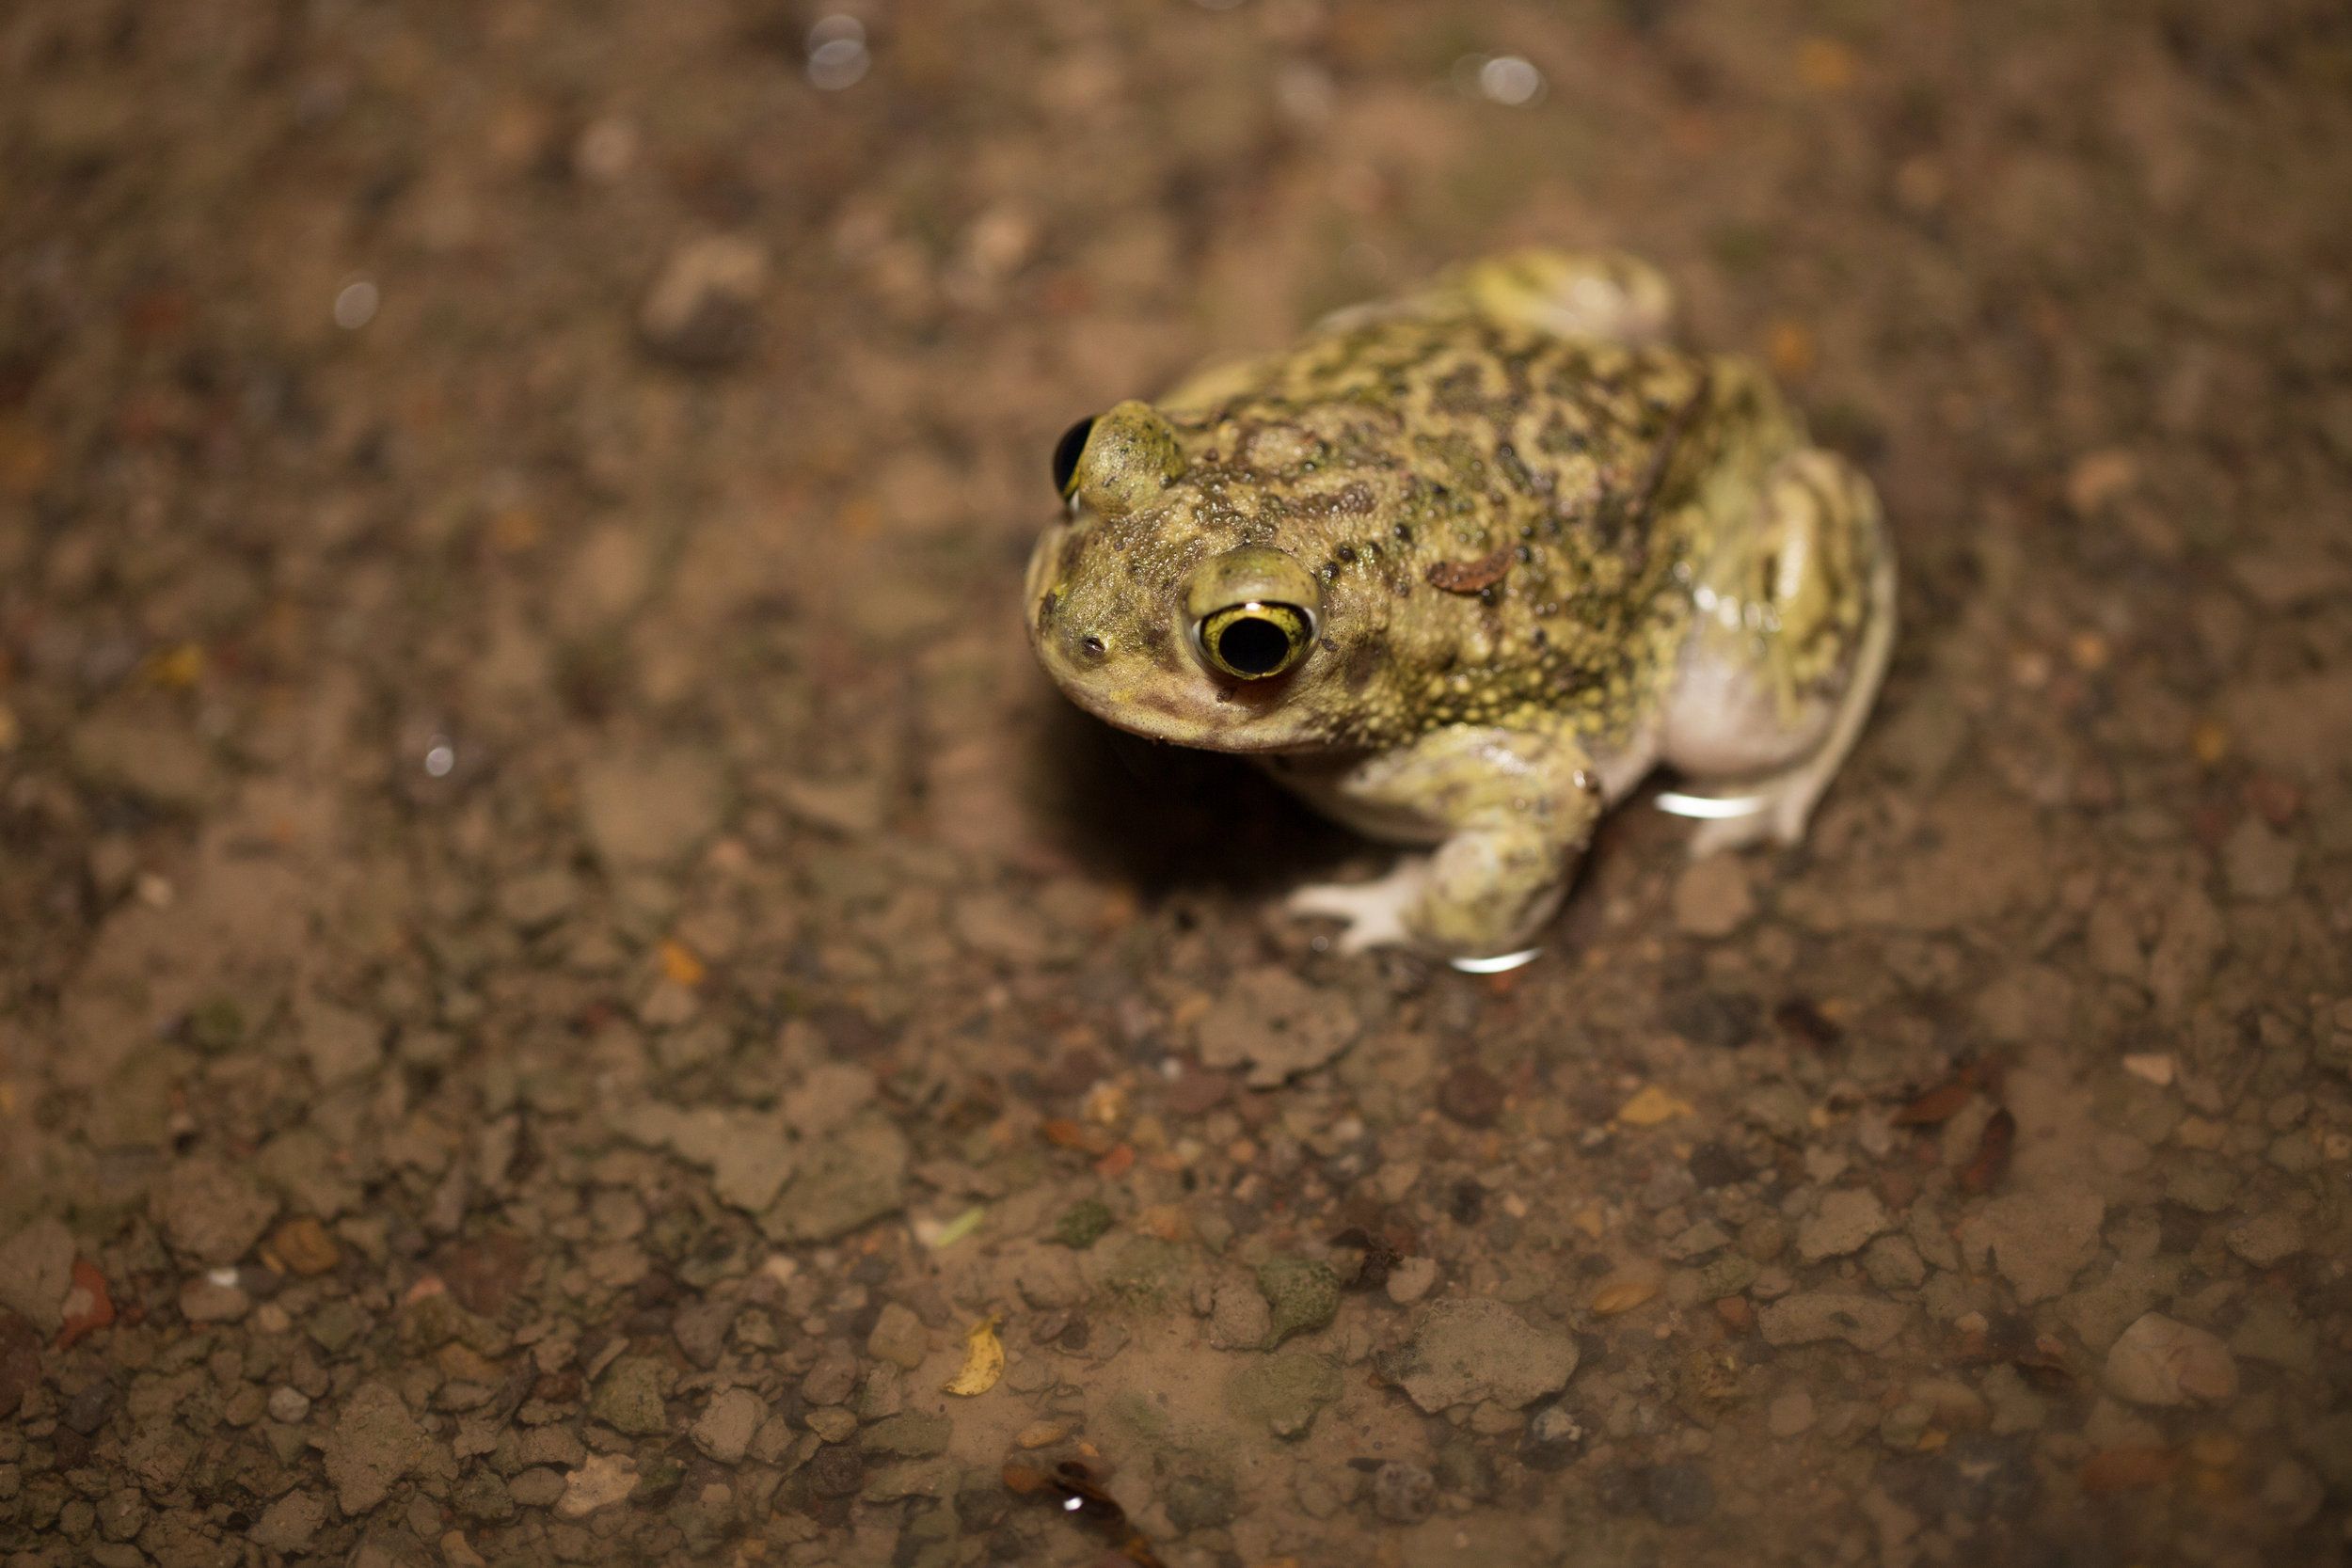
[
  {"x": 1372, "y": 454},
  {"x": 1522, "y": 542}
]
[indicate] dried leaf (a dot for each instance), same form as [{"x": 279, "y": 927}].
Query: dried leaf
[
  {"x": 1942, "y": 1102},
  {"x": 679, "y": 966},
  {"x": 1991, "y": 1161},
  {"x": 1470, "y": 577},
  {"x": 1624, "y": 1290},
  {"x": 1652, "y": 1107},
  {"x": 1065, "y": 1134},
  {"x": 983, "y": 1360}
]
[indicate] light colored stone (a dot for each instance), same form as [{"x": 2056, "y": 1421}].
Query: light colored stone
[
  {"x": 2038, "y": 1238},
  {"x": 2265, "y": 1239},
  {"x": 1790, "y": 1414},
  {"x": 288, "y": 1524},
  {"x": 2160, "y": 1361},
  {"x": 606, "y": 1478},
  {"x": 1711, "y": 896},
  {"x": 1465, "y": 1351},
  {"x": 723, "y": 1431},
  {"x": 36, "y": 1271},
  {"x": 1868, "y": 1323},
  {"x": 1842, "y": 1223},
  {"x": 1412, "y": 1279},
  {"x": 374, "y": 1443}
]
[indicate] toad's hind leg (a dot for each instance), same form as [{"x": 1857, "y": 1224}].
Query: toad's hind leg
[{"x": 1796, "y": 629}]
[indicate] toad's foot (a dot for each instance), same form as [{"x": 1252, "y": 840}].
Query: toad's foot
[
  {"x": 1776, "y": 812},
  {"x": 1373, "y": 912},
  {"x": 1514, "y": 808}
]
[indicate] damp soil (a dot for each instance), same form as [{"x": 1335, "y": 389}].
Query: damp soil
[{"x": 569, "y": 994}]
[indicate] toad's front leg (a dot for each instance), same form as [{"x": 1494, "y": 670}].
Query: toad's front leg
[{"x": 1509, "y": 810}]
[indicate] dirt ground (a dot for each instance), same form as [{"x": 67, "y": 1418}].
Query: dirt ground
[{"x": 564, "y": 973}]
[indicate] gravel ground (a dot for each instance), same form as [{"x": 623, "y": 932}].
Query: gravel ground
[{"x": 571, "y": 996}]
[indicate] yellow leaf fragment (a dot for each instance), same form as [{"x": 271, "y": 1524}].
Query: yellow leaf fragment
[
  {"x": 983, "y": 1360},
  {"x": 1652, "y": 1107},
  {"x": 679, "y": 966},
  {"x": 178, "y": 668}
]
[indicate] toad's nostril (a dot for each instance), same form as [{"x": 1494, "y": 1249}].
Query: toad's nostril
[{"x": 1091, "y": 645}]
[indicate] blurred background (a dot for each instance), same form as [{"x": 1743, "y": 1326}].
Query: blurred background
[{"x": 558, "y": 960}]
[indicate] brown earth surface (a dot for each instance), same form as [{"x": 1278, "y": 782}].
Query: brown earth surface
[{"x": 562, "y": 962}]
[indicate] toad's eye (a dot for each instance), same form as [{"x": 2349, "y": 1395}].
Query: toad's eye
[
  {"x": 1256, "y": 642},
  {"x": 1067, "y": 451}
]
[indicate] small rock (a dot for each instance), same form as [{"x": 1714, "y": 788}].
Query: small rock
[
  {"x": 20, "y": 1361},
  {"x": 827, "y": 1098},
  {"x": 1711, "y": 898},
  {"x": 1199, "y": 1501},
  {"x": 1868, "y": 1323},
  {"x": 1894, "y": 1263},
  {"x": 2160, "y": 1361},
  {"x": 1302, "y": 1295},
  {"x": 1789, "y": 1413},
  {"x": 2291, "y": 1494},
  {"x": 374, "y": 1443},
  {"x": 1083, "y": 1223},
  {"x": 645, "y": 811},
  {"x": 849, "y": 1178},
  {"x": 832, "y": 1380},
  {"x": 1239, "y": 1318},
  {"x": 537, "y": 1487},
  {"x": 1677, "y": 1493},
  {"x": 211, "y": 1214},
  {"x": 632, "y": 1396},
  {"x": 1471, "y": 1096},
  {"x": 703, "y": 309},
  {"x": 1841, "y": 1222},
  {"x": 909, "y": 1434},
  {"x": 1465, "y": 1351},
  {"x": 1411, "y": 1279},
  {"x": 1713, "y": 1164},
  {"x": 36, "y": 1271},
  {"x": 2265, "y": 1239},
  {"x": 1282, "y": 1393},
  {"x": 288, "y": 1524},
  {"x": 1402, "y": 1492},
  {"x": 1276, "y": 1022},
  {"x": 606, "y": 1478},
  {"x": 338, "y": 1043},
  {"x": 724, "y": 1433},
  {"x": 206, "y": 1300},
  {"x": 1696, "y": 1239},
  {"x": 2040, "y": 1239},
  {"x": 898, "y": 1336},
  {"x": 2259, "y": 862},
  {"x": 289, "y": 1404}
]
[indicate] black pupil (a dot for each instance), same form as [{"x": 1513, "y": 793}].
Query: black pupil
[
  {"x": 1073, "y": 442},
  {"x": 1253, "y": 645}
]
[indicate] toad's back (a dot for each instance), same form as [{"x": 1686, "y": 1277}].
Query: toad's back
[{"x": 1524, "y": 501}]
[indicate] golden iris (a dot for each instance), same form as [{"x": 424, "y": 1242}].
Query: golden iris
[{"x": 1255, "y": 641}]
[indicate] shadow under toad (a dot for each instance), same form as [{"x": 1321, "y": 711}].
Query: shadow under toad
[{"x": 1169, "y": 818}]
